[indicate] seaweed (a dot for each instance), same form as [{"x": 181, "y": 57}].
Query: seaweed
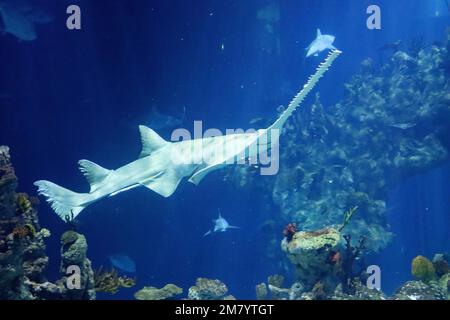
[
  {"x": 351, "y": 254},
  {"x": 347, "y": 216},
  {"x": 111, "y": 281}
]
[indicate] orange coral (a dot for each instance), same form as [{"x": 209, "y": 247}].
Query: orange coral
[{"x": 20, "y": 232}]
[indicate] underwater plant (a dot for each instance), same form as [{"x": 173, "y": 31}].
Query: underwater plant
[
  {"x": 351, "y": 253},
  {"x": 23, "y": 204},
  {"x": 31, "y": 229},
  {"x": 44, "y": 233},
  {"x": 347, "y": 216},
  {"x": 422, "y": 268},
  {"x": 289, "y": 231},
  {"x": 110, "y": 281}
]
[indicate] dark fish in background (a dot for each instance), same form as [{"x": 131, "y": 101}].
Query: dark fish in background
[
  {"x": 160, "y": 121},
  {"x": 269, "y": 18},
  {"x": 394, "y": 46},
  {"x": 123, "y": 262},
  {"x": 403, "y": 126},
  {"x": 18, "y": 18}
]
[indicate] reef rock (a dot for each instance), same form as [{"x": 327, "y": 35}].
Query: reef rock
[
  {"x": 152, "y": 293},
  {"x": 441, "y": 264},
  {"x": 360, "y": 292},
  {"x": 73, "y": 253},
  {"x": 310, "y": 252},
  {"x": 207, "y": 289},
  {"x": 22, "y": 248},
  {"x": 292, "y": 293},
  {"x": 444, "y": 283},
  {"x": 392, "y": 124},
  {"x": 261, "y": 291},
  {"x": 418, "y": 290}
]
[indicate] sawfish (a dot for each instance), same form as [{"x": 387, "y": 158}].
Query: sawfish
[{"x": 162, "y": 164}]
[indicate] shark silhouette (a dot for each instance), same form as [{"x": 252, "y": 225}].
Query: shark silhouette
[
  {"x": 162, "y": 164},
  {"x": 321, "y": 43},
  {"x": 20, "y": 17},
  {"x": 220, "y": 225}
]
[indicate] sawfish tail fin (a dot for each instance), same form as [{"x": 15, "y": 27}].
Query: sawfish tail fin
[{"x": 66, "y": 203}]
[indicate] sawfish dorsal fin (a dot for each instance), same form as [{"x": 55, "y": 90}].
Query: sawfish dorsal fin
[
  {"x": 94, "y": 173},
  {"x": 318, "y": 33},
  {"x": 151, "y": 141}
]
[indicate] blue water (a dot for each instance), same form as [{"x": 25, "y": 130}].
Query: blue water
[{"x": 70, "y": 95}]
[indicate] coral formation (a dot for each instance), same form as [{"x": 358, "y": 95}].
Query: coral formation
[
  {"x": 152, "y": 293},
  {"x": 310, "y": 251},
  {"x": 207, "y": 289},
  {"x": 292, "y": 293},
  {"x": 276, "y": 280},
  {"x": 444, "y": 283},
  {"x": 391, "y": 125},
  {"x": 73, "y": 252},
  {"x": 22, "y": 249},
  {"x": 44, "y": 233},
  {"x": 423, "y": 269},
  {"x": 418, "y": 290},
  {"x": 110, "y": 281},
  {"x": 360, "y": 292},
  {"x": 261, "y": 291},
  {"x": 441, "y": 264}
]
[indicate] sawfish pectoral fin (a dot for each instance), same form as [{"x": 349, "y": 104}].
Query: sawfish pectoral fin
[
  {"x": 199, "y": 175},
  {"x": 164, "y": 183}
]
